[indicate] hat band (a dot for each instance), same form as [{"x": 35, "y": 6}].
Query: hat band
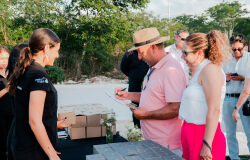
[{"x": 147, "y": 42}]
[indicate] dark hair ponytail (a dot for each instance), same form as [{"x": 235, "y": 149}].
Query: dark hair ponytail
[
  {"x": 24, "y": 61},
  {"x": 37, "y": 42},
  {"x": 14, "y": 58}
]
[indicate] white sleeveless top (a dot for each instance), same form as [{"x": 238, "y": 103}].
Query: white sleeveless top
[{"x": 193, "y": 107}]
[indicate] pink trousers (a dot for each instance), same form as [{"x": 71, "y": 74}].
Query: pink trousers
[{"x": 191, "y": 139}]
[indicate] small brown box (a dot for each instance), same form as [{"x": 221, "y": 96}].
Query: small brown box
[
  {"x": 94, "y": 132},
  {"x": 93, "y": 120},
  {"x": 104, "y": 130},
  {"x": 77, "y": 133},
  {"x": 81, "y": 121},
  {"x": 71, "y": 118},
  {"x": 104, "y": 116}
]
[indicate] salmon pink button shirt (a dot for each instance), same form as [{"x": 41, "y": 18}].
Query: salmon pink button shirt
[{"x": 164, "y": 83}]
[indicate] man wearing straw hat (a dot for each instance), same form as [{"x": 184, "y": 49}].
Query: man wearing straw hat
[{"x": 162, "y": 90}]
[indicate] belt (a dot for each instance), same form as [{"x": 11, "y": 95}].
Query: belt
[{"x": 233, "y": 94}]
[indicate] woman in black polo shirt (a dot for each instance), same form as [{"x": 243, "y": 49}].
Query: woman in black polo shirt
[
  {"x": 6, "y": 110},
  {"x": 13, "y": 59},
  {"x": 36, "y": 98}
]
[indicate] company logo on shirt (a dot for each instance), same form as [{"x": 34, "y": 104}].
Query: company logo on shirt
[{"x": 41, "y": 80}]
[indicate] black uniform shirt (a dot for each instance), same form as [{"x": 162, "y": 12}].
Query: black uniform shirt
[
  {"x": 5, "y": 100},
  {"x": 34, "y": 78},
  {"x": 135, "y": 69}
]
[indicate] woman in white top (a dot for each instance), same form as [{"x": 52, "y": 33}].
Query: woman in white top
[{"x": 202, "y": 100}]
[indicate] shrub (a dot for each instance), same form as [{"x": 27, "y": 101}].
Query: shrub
[
  {"x": 55, "y": 74},
  {"x": 134, "y": 134}
]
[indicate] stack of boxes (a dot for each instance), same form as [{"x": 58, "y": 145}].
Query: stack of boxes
[{"x": 86, "y": 120}]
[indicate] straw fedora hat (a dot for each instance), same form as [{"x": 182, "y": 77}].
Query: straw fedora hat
[{"x": 147, "y": 36}]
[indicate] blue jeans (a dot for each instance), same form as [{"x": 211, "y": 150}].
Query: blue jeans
[{"x": 230, "y": 125}]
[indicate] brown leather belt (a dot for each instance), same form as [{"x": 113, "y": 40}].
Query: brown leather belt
[{"x": 233, "y": 94}]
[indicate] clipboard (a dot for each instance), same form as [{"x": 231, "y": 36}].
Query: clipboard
[{"x": 130, "y": 105}]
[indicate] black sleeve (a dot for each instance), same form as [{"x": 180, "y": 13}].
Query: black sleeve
[
  {"x": 125, "y": 64},
  {"x": 39, "y": 81},
  {"x": 3, "y": 83},
  {"x": 2, "y": 86}
]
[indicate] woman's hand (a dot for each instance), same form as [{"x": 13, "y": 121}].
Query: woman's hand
[
  {"x": 62, "y": 124},
  {"x": 235, "y": 114},
  {"x": 54, "y": 157},
  {"x": 205, "y": 153}
]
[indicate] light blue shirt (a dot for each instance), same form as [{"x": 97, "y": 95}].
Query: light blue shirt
[{"x": 242, "y": 67}]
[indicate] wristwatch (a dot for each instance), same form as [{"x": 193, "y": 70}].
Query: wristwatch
[{"x": 235, "y": 108}]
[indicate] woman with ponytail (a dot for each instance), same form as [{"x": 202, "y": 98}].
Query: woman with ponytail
[
  {"x": 36, "y": 98},
  {"x": 202, "y": 100}
]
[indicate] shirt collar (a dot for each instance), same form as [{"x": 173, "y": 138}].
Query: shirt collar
[
  {"x": 242, "y": 57},
  {"x": 162, "y": 61}
]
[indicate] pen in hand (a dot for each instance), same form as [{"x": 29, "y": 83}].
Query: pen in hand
[{"x": 121, "y": 90}]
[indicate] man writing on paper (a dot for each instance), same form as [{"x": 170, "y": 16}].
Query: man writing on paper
[{"x": 162, "y": 90}]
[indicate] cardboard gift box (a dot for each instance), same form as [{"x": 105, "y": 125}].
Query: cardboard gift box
[
  {"x": 93, "y": 120},
  {"x": 69, "y": 116},
  {"x": 85, "y": 120},
  {"x": 81, "y": 121},
  {"x": 77, "y": 133},
  {"x": 93, "y": 132}
]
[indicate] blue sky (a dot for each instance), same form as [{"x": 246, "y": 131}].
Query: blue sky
[{"x": 180, "y": 7}]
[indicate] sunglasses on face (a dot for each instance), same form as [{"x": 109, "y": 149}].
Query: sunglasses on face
[
  {"x": 183, "y": 39},
  {"x": 185, "y": 53},
  {"x": 235, "y": 49}
]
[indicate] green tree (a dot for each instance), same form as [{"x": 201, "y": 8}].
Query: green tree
[
  {"x": 224, "y": 16},
  {"x": 195, "y": 23},
  {"x": 243, "y": 26},
  {"x": 165, "y": 26},
  {"x": 93, "y": 32}
]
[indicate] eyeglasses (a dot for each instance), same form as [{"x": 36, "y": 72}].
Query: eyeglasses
[
  {"x": 151, "y": 69},
  {"x": 183, "y": 39},
  {"x": 185, "y": 53},
  {"x": 235, "y": 49}
]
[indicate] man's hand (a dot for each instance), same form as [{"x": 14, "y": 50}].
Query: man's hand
[
  {"x": 140, "y": 113},
  {"x": 228, "y": 76},
  {"x": 234, "y": 115},
  {"x": 238, "y": 78},
  {"x": 122, "y": 95}
]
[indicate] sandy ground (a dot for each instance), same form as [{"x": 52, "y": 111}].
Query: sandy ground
[{"x": 99, "y": 89}]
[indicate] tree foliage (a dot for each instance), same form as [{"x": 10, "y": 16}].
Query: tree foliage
[
  {"x": 95, "y": 33},
  {"x": 195, "y": 23},
  {"x": 225, "y": 17},
  {"x": 243, "y": 26}
]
